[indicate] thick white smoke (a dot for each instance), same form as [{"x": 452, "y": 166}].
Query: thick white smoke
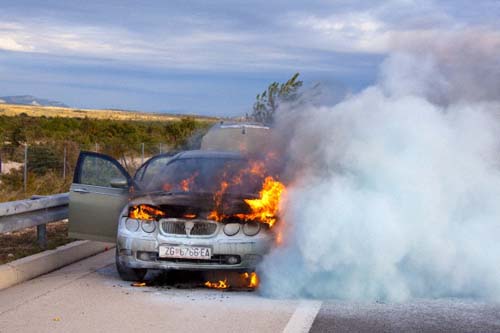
[{"x": 395, "y": 192}]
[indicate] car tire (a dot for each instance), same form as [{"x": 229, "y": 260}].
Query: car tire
[{"x": 127, "y": 273}]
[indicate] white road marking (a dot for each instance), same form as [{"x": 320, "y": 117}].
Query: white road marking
[{"x": 303, "y": 317}]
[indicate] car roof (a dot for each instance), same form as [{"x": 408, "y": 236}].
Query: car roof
[
  {"x": 208, "y": 154},
  {"x": 246, "y": 137},
  {"x": 239, "y": 125}
]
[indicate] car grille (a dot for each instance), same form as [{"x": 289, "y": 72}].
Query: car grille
[
  {"x": 203, "y": 228},
  {"x": 178, "y": 227}
]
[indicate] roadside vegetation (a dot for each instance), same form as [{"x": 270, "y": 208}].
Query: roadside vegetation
[
  {"x": 268, "y": 102},
  {"x": 54, "y": 144}
]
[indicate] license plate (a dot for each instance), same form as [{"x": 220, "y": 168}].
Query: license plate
[{"x": 187, "y": 252}]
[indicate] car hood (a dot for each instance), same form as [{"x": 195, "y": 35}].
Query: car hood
[{"x": 195, "y": 201}]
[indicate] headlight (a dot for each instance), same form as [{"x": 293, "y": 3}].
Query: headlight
[
  {"x": 132, "y": 225},
  {"x": 251, "y": 228},
  {"x": 148, "y": 226},
  {"x": 231, "y": 229}
]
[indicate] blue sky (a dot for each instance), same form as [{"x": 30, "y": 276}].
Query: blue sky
[{"x": 208, "y": 57}]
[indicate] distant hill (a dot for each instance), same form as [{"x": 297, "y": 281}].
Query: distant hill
[{"x": 30, "y": 100}]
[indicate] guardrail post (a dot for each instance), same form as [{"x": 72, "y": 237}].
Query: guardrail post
[{"x": 41, "y": 233}]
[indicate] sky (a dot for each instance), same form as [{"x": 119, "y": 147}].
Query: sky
[{"x": 210, "y": 57}]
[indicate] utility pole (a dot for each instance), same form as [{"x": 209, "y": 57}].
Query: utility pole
[
  {"x": 25, "y": 167},
  {"x": 142, "y": 153},
  {"x": 64, "y": 164}
]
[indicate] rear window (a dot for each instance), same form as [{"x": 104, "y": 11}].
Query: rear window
[{"x": 239, "y": 138}]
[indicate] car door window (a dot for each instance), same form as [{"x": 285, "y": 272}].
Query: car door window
[{"x": 99, "y": 172}]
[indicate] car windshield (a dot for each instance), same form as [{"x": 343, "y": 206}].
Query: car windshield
[{"x": 204, "y": 175}]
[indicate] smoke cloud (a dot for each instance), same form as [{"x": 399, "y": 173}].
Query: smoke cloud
[{"x": 394, "y": 193}]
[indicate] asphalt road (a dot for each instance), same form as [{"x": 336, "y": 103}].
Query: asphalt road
[{"x": 89, "y": 297}]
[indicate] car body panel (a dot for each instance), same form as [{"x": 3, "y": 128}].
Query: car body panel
[
  {"x": 94, "y": 205},
  {"x": 94, "y": 213}
]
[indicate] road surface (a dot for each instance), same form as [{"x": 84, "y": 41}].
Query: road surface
[{"x": 88, "y": 296}]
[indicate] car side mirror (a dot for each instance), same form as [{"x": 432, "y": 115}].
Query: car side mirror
[{"x": 118, "y": 183}]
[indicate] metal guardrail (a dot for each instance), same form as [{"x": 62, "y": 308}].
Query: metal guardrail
[{"x": 37, "y": 211}]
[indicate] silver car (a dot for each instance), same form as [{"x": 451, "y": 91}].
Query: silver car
[{"x": 171, "y": 215}]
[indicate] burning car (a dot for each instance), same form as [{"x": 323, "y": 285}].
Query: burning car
[{"x": 196, "y": 210}]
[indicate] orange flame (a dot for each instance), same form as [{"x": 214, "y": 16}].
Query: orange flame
[
  {"x": 252, "y": 279},
  {"x": 279, "y": 238},
  {"x": 221, "y": 284},
  {"x": 215, "y": 216},
  {"x": 145, "y": 212},
  {"x": 185, "y": 184},
  {"x": 265, "y": 209},
  {"x": 246, "y": 280}
]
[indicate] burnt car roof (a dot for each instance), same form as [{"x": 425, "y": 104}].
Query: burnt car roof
[{"x": 208, "y": 154}]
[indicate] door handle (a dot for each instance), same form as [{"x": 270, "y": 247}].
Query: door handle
[{"x": 79, "y": 190}]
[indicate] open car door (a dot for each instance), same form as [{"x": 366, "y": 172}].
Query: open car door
[{"x": 97, "y": 196}]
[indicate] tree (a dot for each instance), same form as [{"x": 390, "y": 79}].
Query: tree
[{"x": 269, "y": 101}]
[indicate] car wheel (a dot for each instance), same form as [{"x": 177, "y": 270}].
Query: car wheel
[{"x": 127, "y": 273}]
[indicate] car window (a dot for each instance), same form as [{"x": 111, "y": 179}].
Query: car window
[
  {"x": 99, "y": 172},
  {"x": 151, "y": 169},
  {"x": 203, "y": 175}
]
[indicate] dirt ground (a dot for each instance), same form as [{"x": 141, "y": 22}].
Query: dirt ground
[
  {"x": 7, "y": 166},
  {"x": 18, "y": 244}
]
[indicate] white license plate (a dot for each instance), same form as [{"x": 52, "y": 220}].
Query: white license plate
[{"x": 188, "y": 252}]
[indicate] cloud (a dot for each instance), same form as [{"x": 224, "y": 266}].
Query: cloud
[
  {"x": 280, "y": 38},
  {"x": 356, "y": 32},
  {"x": 57, "y": 39},
  {"x": 10, "y": 44},
  {"x": 12, "y": 38},
  {"x": 191, "y": 48}
]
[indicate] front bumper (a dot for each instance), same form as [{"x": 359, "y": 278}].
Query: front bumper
[{"x": 140, "y": 250}]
